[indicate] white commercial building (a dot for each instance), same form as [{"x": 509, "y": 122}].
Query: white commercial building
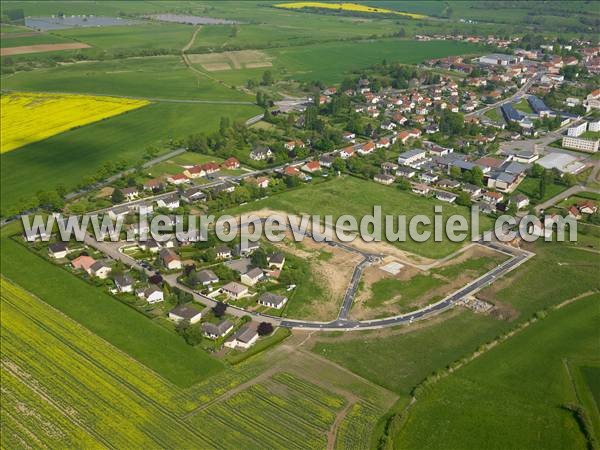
[
  {"x": 583, "y": 145},
  {"x": 594, "y": 126},
  {"x": 562, "y": 162},
  {"x": 577, "y": 130}
]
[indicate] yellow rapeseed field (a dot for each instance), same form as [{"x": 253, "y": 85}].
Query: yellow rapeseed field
[
  {"x": 347, "y": 7},
  {"x": 28, "y": 117}
]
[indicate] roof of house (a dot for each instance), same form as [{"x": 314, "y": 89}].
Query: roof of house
[
  {"x": 206, "y": 276},
  {"x": 83, "y": 262},
  {"x": 245, "y": 334},
  {"x": 274, "y": 299},
  {"x": 58, "y": 247},
  {"x": 123, "y": 280},
  {"x": 520, "y": 197},
  {"x": 493, "y": 194},
  {"x": 98, "y": 265},
  {"x": 234, "y": 287},
  {"x": 254, "y": 272},
  {"x": 488, "y": 161},
  {"x": 185, "y": 311},
  {"x": 217, "y": 329},
  {"x": 276, "y": 258}
]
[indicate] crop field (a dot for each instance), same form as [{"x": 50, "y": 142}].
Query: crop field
[
  {"x": 140, "y": 36},
  {"x": 71, "y": 156},
  {"x": 534, "y": 384},
  {"x": 350, "y": 7},
  {"x": 247, "y": 59},
  {"x": 123, "y": 327},
  {"x": 41, "y": 48},
  {"x": 330, "y": 62},
  {"x": 72, "y": 385},
  {"x": 349, "y": 195},
  {"x": 283, "y": 412},
  {"x": 164, "y": 77},
  {"x": 29, "y": 117},
  {"x": 28, "y": 37}
]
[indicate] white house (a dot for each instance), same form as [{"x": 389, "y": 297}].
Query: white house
[
  {"x": 124, "y": 283},
  {"x": 58, "y": 250},
  {"x": 252, "y": 277},
  {"x": 170, "y": 260},
  {"x": 169, "y": 202},
  {"x": 234, "y": 290},
  {"x": 185, "y": 312},
  {"x": 216, "y": 331},
  {"x": 100, "y": 269},
  {"x": 152, "y": 294},
  {"x": 445, "y": 196},
  {"x": 271, "y": 300},
  {"x": 244, "y": 338}
]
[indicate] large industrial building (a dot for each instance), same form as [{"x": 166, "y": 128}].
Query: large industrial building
[{"x": 499, "y": 59}]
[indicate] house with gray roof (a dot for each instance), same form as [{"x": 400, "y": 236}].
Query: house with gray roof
[
  {"x": 185, "y": 312},
  {"x": 271, "y": 300},
  {"x": 244, "y": 338},
  {"x": 216, "y": 331}
]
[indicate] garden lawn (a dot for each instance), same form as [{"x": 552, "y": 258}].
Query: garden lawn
[{"x": 530, "y": 187}]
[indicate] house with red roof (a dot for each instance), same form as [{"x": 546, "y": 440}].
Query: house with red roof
[
  {"x": 231, "y": 164},
  {"x": 311, "y": 166}
]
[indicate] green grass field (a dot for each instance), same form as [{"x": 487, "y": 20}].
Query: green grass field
[
  {"x": 349, "y": 195},
  {"x": 250, "y": 419},
  {"x": 494, "y": 115},
  {"x": 523, "y": 106},
  {"x": 71, "y": 156},
  {"x": 153, "y": 77},
  {"x": 155, "y": 35},
  {"x": 530, "y": 187},
  {"x": 125, "y": 328},
  {"x": 517, "y": 387},
  {"x": 41, "y": 38},
  {"x": 331, "y": 62}
]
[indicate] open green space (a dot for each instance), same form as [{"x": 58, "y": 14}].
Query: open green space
[
  {"x": 152, "y": 345},
  {"x": 493, "y": 114},
  {"x": 400, "y": 362},
  {"x": 350, "y": 195},
  {"x": 523, "y": 106},
  {"x": 164, "y": 77},
  {"x": 558, "y": 272},
  {"x": 34, "y": 39},
  {"x": 416, "y": 288},
  {"x": 518, "y": 387},
  {"x": 531, "y": 187},
  {"x": 155, "y": 35},
  {"x": 70, "y": 157},
  {"x": 330, "y": 62}
]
